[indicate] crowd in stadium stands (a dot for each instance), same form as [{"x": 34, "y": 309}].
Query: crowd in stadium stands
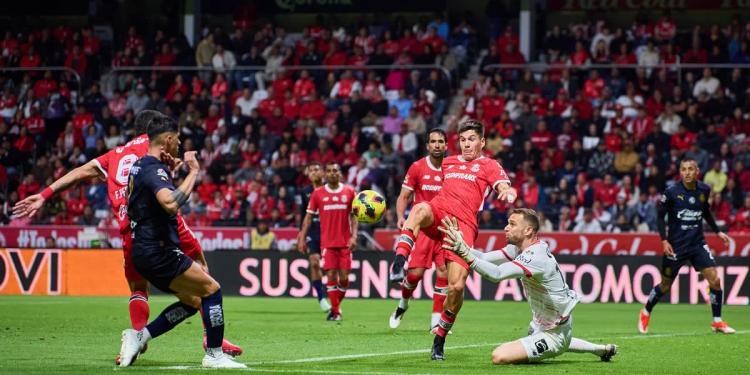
[{"x": 589, "y": 147}]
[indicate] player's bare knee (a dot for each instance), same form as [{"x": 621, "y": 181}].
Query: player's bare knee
[
  {"x": 210, "y": 288},
  {"x": 456, "y": 286}
]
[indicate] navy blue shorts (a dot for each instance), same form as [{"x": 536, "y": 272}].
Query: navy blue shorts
[
  {"x": 699, "y": 257},
  {"x": 160, "y": 266},
  {"x": 313, "y": 244}
]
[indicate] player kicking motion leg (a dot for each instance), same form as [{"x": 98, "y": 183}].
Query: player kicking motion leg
[
  {"x": 114, "y": 167},
  {"x": 467, "y": 180},
  {"x": 551, "y": 301},
  {"x": 422, "y": 182},
  {"x": 153, "y": 204},
  {"x": 686, "y": 206},
  {"x": 308, "y": 239},
  {"x": 332, "y": 202}
]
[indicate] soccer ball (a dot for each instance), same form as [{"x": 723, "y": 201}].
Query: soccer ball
[{"x": 368, "y": 206}]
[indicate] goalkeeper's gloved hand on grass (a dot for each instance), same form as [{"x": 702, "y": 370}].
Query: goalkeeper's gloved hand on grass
[{"x": 454, "y": 240}]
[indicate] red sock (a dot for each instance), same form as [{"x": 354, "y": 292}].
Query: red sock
[
  {"x": 446, "y": 323},
  {"x": 409, "y": 285},
  {"x": 138, "y": 307},
  {"x": 343, "y": 285},
  {"x": 439, "y": 293},
  {"x": 405, "y": 242},
  {"x": 333, "y": 295}
]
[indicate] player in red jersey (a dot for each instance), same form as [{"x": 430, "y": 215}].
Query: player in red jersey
[
  {"x": 467, "y": 180},
  {"x": 114, "y": 167},
  {"x": 422, "y": 183},
  {"x": 332, "y": 202}
]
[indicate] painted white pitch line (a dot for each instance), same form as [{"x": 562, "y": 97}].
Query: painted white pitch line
[
  {"x": 404, "y": 352},
  {"x": 418, "y": 351}
]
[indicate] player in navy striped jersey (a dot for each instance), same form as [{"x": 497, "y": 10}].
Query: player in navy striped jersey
[{"x": 685, "y": 204}]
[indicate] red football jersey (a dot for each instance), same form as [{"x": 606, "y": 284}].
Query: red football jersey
[
  {"x": 334, "y": 208},
  {"x": 467, "y": 184},
  {"x": 115, "y": 165},
  {"x": 424, "y": 179}
]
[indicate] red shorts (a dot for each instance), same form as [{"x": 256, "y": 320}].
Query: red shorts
[
  {"x": 469, "y": 231},
  {"x": 426, "y": 252},
  {"x": 337, "y": 258},
  {"x": 189, "y": 245}
]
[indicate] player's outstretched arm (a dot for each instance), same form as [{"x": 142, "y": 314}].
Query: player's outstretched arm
[
  {"x": 505, "y": 192},
  {"x": 31, "y": 204},
  {"x": 172, "y": 200}
]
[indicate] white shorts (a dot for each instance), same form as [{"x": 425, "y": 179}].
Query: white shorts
[{"x": 541, "y": 344}]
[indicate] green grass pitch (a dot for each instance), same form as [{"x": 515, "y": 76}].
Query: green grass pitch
[{"x": 283, "y": 335}]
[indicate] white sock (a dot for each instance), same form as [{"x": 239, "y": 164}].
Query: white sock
[
  {"x": 716, "y": 320},
  {"x": 403, "y": 303},
  {"x": 583, "y": 346},
  {"x": 435, "y": 319},
  {"x": 146, "y": 336},
  {"x": 214, "y": 352}
]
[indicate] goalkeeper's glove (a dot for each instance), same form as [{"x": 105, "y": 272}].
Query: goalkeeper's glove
[{"x": 454, "y": 240}]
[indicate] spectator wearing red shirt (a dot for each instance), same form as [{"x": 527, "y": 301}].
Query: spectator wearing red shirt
[
  {"x": 267, "y": 105},
  {"x": 215, "y": 207},
  {"x": 312, "y": 109},
  {"x": 28, "y": 186},
  {"x": 323, "y": 153},
  {"x": 291, "y": 106},
  {"x": 277, "y": 122},
  {"x": 335, "y": 56},
  {"x": 345, "y": 86},
  {"x": 281, "y": 84},
  {"x": 561, "y": 106},
  {"x": 390, "y": 46},
  {"x": 30, "y": 59},
  {"x": 178, "y": 86},
  {"x": 207, "y": 188},
  {"x": 580, "y": 57},
  {"x": 665, "y": 29},
  {"x": 304, "y": 87},
  {"x": 740, "y": 223},
  {"x": 220, "y": 87},
  {"x": 511, "y": 55},
  {"x": 76, "y": 60},
  {"x": 493, "y": 104},
  {"x": 34, "y": 123},
  {"x": 91, "y": 44},
  {"x": 264, "y": 204},
  {"x": 607, "y": 191},
  {"x": 165, "y": 57},
  {"x": 641, "y": 126},
  {"x": 741, "y": 175},
  {"x": 624, "y": 56},
  {"x": 508, "y": 38},
  {"x": 530, "y": 192},
  {"x": 696, "y": 54},
  {"x": 44, "y": 86},
  {"x": 683, "y": 139},
  {"x": 593, "y": 87},
  {"x": 133, "y": 40},
  {"x": 82, "y": 119},
  {"x": 211, "y": 122},
  {"x": 542, "y": 138}
]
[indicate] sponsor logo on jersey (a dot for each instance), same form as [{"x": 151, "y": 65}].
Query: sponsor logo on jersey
[
  {"x": 463, "y": 167},
  {"x": 689, "y": 215},
  {"x": 163, "y": 174},
  {"x": 335, "y": 199},
  {"x": 431, "y": 187},
  {"x": 329, "y": 207},
  {"x": 437, "y": 178},
  {"x": 702, "y": 198},
  {"x": 463, "y": 176},
  {"x": 344, "y": 198},
  {"x": 475, "y": 168},
  {"x": 325, "y": 199},
  {"x": 426, "y": 177},
  {"x": 691, "y": 200},
  {"x": 680, "y": 197}
]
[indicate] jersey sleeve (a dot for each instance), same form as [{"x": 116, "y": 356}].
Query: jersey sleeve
[
  {"x": 313, "y": 205},
  {"x": 495, "y": 174},
  {"x": 497, "y": 257},
  {"x": 412, "y": 177},
  {"x": 157, "y": 178},
  {"x": 102, "y": 163}
]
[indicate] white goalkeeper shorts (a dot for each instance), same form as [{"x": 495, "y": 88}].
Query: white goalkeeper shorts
[{"x": 541, "y": 344}]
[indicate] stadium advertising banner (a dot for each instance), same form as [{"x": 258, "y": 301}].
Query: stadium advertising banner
[
  {"x": 62, "y": 272},
  {"x": 234, "y": 238},
  {"x": 592, "y": 244},
  {"x": 572, "y": 5},
  {"x": 609, "y": 279}
]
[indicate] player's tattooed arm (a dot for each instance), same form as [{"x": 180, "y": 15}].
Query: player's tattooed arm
[{"x": 179, "y": 196}]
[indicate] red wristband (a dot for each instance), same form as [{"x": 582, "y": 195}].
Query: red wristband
[{"x": 47, "y": 193}]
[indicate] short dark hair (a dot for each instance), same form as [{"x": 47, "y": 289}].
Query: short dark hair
[
  {"x": 160, "y": 125},
  {"x": 333, "y": 163},
  {"x": 688, "y": 159},
  {"x": 143, "y": 119},
  {"x": 471, "y": 124},
  {"x": 529, "y": 216},
  {"x": 313, "y": 164},
  {"x": 439, "y": 131}
]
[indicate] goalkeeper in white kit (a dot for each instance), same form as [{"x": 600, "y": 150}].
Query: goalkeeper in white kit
[{"x": 552, "y": 302}]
